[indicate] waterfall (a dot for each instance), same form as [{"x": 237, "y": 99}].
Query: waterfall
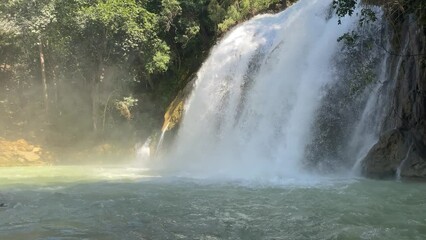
[
  {"x": 369, "y": 127},
  {"x": 368, "y": 130},
  {"x": 401, "y": 165},
  {"x": 253, "y": 108},
  {"x": 143, "y": 152},
  {"x": 160, "y": 142}
]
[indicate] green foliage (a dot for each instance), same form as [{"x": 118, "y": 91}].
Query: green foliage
[
  {"x": 344, "y": 7},
  {"x": 394, "y": 9},
  {"x": 99, "y": 52},
  {"x": 123, "y": 27},
  {"x": 349, "y": 39},
  {"x": 171, "y": 9},
  {"x": 229, "y": 13},
  {"x": 367, "y": 16},
  {"x": 396, "y": 13},
  {"x": 216, "y": 12},
  {"x": 360, "y": 56},
  {"x": 347, "y": 7}
]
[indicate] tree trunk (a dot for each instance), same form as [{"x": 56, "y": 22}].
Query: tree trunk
[
  {"x": 58, "y": 109},
  {"x": 43, "y": 77},
  {"x": 94, "y": 95},
  {"x": 97, "y": 79},
  {"x": 105, "y": 110}
]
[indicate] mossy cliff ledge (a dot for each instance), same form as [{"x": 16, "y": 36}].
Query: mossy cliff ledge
[{"x": 174, "y": 114}]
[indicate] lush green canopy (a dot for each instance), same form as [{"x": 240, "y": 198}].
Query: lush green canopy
[{"x": 102, "y": 66}]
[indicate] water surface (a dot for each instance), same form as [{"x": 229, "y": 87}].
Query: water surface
[{"x": 132, "y": 203}]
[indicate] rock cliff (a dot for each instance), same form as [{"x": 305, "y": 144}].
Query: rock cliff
[{"x": 402, "y": 144}]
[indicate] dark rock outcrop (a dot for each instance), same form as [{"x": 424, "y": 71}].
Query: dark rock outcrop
[
  {"x": 385, "y": 157},
  {"x": 396, "y": 150},
  {"x": 408, "y": 111},
  {"x": 414, "y": 166}
]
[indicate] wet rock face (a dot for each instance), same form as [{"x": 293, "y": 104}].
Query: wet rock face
[
  {"x": 410, "y": 92},
  {"x": 396, "y": 149},
  {"x": 408, "y": 112},
  {"x": 21, "y": 153},
  {"x": 415, "y": 164},
  {"x": 174, "y": 113},
  {"x": 386, "y": 156}
]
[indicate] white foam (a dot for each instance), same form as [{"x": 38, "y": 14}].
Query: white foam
[{"x": 254, "y": 101}]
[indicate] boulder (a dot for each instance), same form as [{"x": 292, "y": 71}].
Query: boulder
[
  {"x": 396, "y": 149},
  {"x": 415, "y": 164},
  {"x": 21, "y": 153},
  {"x": 384, "y": 158}
]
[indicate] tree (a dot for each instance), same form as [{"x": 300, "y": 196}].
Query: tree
[
  {"x": 31, "y": 19},
  {"x": 119, "y": 32},
  {"x": 73, "y": 59}
]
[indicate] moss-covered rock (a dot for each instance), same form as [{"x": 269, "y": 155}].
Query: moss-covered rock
[
  {"x": 21, "y": 153},
  {"x": 174, "y": 113}
]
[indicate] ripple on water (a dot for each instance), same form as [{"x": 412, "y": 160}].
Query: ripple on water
[{"x": 87, "y": 207}]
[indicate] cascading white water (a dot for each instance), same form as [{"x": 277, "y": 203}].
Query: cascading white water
[
  {"x": 160, "y": 142},
  {"x": 401, "y": 165},
  {"x": 254, "y": 102},
  {"x": 368, "y": 128}
]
